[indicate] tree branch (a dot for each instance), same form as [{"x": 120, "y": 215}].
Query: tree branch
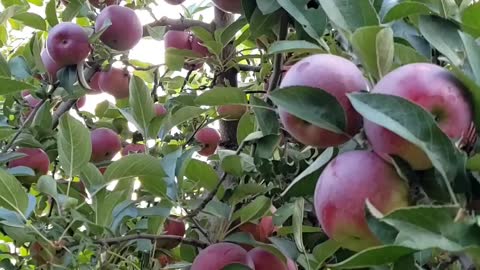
[
  {"x": 152, "y": 237},
  {"x": 278, "y": 60},
  {"x": 177, "y": 24},
  {"x": 249, "y": 68}
]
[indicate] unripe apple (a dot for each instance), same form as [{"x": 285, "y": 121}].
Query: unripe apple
[
  {"x": 160, "y": 110},
  {"x": 434, "y": 89},
  {"x": 265, "y": 260},
  {"x": 125, "y": 31},
  {"x": 116, "y": 82},
  {"x": 133, "y": 149},
  {"x": 174, "y": 2},
  {"x": 343, "y": 189},
  {"x": 67, "y": 44},
  {"x": 338, "y": 77},
  {"x": 104, "y": 3},
  {"x": 220, "y": 255},
  {"x": 51, "y": 66},
  {"x": 177, "y": 40},
  {"x": 174, "y": 227},
  {"x": 105, "y": 144},
  {"x": 35, "y": 159},
  {"x": 231, "y": 112},
  {"x": 233, "y": 6},
  {"x": 210, "y": 139},
  {"x": 95, "y": 84}
]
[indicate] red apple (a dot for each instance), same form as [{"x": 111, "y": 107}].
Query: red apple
[
  {"x": 116, "y": 82},
  {"x": 174, "y": 2},
  {"x": 177, "y": 40},
  {"x": 434, "y": 89},
  {"x": 67, "y": 44},
  {"x": 174, "y": 227},
  {"x": 32, "y": 101},
  {"x": 125, "y": 31},
  {"x": 51, "y": 66},
  {"x": 105, "y": 144},
  {"x": 261, "y": 231},
  {"x": 102, "y": 3},
  {"x": 233, "y": 6},
  {"x": 209, "y": 138},
  {"x": 95, "y": 84},
  {"x": 342, "y": 190},
  {"x": 35, "y": 159},
  {"x": 133, "y": 149},
  {"x": 220, "y": 255},
  {"x": 164, "y": 260},
  {"x": 231, "y": 112},
  {"x": 198, "y": 47},
  {"x": 338, "y": 77},
  {"x": 81, "y": 102},
  {"x": 265, "y": 260},
  {"x": 160, "y": 110}
]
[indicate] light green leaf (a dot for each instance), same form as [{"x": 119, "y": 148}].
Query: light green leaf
[
  {"x": 12, "y": 194},
  {"x": 284, "y": 46},
  {"x": 10, "y": 86},
  {"x": 222, "y": 96},
  {"x": 51, "y": 13},
  {"x": 141, "y": 104},
  {"x": 350, "y": 15},
  {"x": 204, "y": 175},
  {"x": 313, "y": 20},
  {"x": 32, "y": 20}
]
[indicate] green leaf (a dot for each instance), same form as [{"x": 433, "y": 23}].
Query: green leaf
[
  {"x": 472, "y": 50},
  {"x": 51, "y": 13},
  {"x": 141, "y": 104},
  {"x": 473, "y": 87},
  {"x": 43, "y": 117},
  {"x": 181, "y": 115},
  {"x": 407, "y": 55},
  {"x": 268, "y": 6},
  {"x": 19, "y": 68},
  {"x": 157, "y": 32},
  {"x": 72, "y": 9},
  {"x": 267, "y": 119},
  {"x": 11, "y": 11},
  {"x": 313, "y": 20},
  {"x": 10, "y": 86},
  {"x": 231, "y": 30},
  {"x": 297, "y": 221},
  {"x": 91, "y": 176},
  {"x": 405, "y": 9},
  {"x": 222, "y": 96},
  {"x": 374, "y": 45},
  {"x": 67, "y": 77},
  {"x": 12, "y": 194},
  {"x": 253, "y": 210},
  {"x": 375, "y": 256},
  {"x": 246, "y": 125},
  {"x": 313, "y": 105},
  {"x": 325, "y": 250},
  {"x": 236, "y": 266},
  {"x": 4, "y": 68},
  {"x": 32, "y": 20},
  {"x": 262, "y": 24},
  {"x": 147, "y": 168},
  {"x": 418, "y": 127},
  {"x": 471, "y": 20},
  {"x": 299, "y": 46},
  {"x": 74, "y": 145},
  {"x": 350, "y": 15},
  {"x": 204, "y": 175},
  {"x": 47, "y": 185}
]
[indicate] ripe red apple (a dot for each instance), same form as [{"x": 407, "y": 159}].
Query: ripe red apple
[
  {"x": 291, "y": 265},
  {"x": 265, "y": 260},
  {"x": 209, "y": 138},
  {"x": 160, "y": 110},
  {"x": 125, "y": 31},
  {"x": 338, "y": 77},
  {"x": 198, "y": 47},
  {"x": 220, "y": 255},
  {"x": 95, "y": 84},
  {"x": 174, "y": 2},
  {"x": 175, "y": 227},
  {"x": 434, "y": 89},
  {"x": 35, "y": 159},
  {"x": 116, "y": 82},
  {"x": 261, "y": 231},
  {"x": 51, "y": 66},
  {"x": 177, "y": 40},
  {"x": 81, "y": 102},
  {"x": 105, "y": 144},
  {"x": 32, "y": 101},
  {"x": 231, "y": 112},
  {"x": 233, "y": 6},
  {"x": 164, "y": 260},
  {"x": 67, "y": 44},
  {"x": 133, "y": 149},
  {"x": 102, "y": 3},
  {"x": 342, "y": 190}
]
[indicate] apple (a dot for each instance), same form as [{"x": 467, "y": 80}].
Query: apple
[
  {"x": 210, "y": 139},
  {"x": 51, "y": 66},
  {"x": 133, "y": 149},
  {"x": 174, "y": 227},
  {"x": 335, "y": 75},
  {"x": 105, "y": 144},
  {"x": 67, "y": 44},
  {"x": 198, "y": 47},
  {"x": 174, "y": 2},
  {"x": 261, "y": 231},
  {"x": 32, "y": 101},
  {"x": 231, "y": 112},
  {"x": 434, "y": 89},
  {"x": 265, "y": 260},
  {"x": 164, "y": 260},
  {"x": 343, "y": 189},
  {"x": 177, "y": 40},
  {"x": 102, "y": 3},
  {"x": 35, "y": 159},
  {"x": 116, "y": 82},
  {"x": 160, "y": 110},
  {"x": 95, "y": 84},
  {"x": 232, "y": 6},
  {"x": 220, "y": 255},
  {"x": 81, "y": 102},
  {"x": 125, "y": 31}
]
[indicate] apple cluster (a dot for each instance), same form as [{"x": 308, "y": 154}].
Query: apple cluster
[{"x": 354, "y": 177}]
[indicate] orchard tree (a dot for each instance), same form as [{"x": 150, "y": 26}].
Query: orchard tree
[{"x": 282, "y": 135}]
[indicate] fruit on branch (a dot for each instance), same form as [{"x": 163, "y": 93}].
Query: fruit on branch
[
  {"x": 32, "y": 101},
  {"x": 35, "y": 159},
  {"x": 261, "y": 231},
  {"x": 232, "y": 6},
  {"x": 133, "y": 149},
  {"x": 338, "y": 77},
  {"x": 51, "y": 66},
  {"x": 160, "y": 110},
  {"x": 265, "y": 260},
  {"x": 342, "y": 190},
  {"x": 105, "y": 144},
  {"x": 434, "y": 89},
  {"x": 220, "y": 255},
  {"x": 125, "y": 31},
  {"x": 178, "y": 40},
  {"x": 231, "y": 112},
  {"x": 210, "y": 139},
  {"x": 116, "y": 82},
  {"x": 67, "y": 44},
  {"x": 81, "y": 102},
  {"x": 102, "y": 3},
  {"x": 164, "y": 260},
  {"x": 174, "y": 2},
  {"x": 198, "y": 47},
  {"x": 174, "y": 227},
  {"x": 42, "y": 254},
  {"x": 95, "y": 84}
]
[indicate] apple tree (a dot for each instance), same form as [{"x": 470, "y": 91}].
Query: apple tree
[{"x": 276, "y": 134}]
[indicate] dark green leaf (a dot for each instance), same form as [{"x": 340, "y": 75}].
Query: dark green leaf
[
  {"x": 350, "y": 15},
  {"x": 293, "y": 46},
  {"x": 141, "y": 104},
  {"x": 68, "y": 77},
  {"x": 12, "y": 194},
  {"x": 246, "y": 125},
  {"x": 72, "y": 9},
  {"x": 10, "y": 86},
  {"x": 313, "y": 20},
  {"x": 222, "y": 96},
  {"x": 267, "y": 119},
  {"x": 231, "y": 30},
  {"x": 262, "y": 24}
]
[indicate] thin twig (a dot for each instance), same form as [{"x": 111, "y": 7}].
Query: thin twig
[
  {"x": 189, "y": 140},
  {"x": 185, "y": 81},
  {"x": 249, "y": 68},
  {"x": 153, "y": 237},
  {"x": 278, "y": 59},
  {"x": 155, "y": 85}
]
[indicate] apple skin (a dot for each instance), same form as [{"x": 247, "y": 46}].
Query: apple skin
[
  {"x": 174, "y": 2},
  {"x": 209, "y": 138},
  {"x": 291, "y": 265},
  {"x": 434, "y": 89},
  {"x": 126, "y": 29},
  {"x": 133, "y": 149},
  {"x": 198, "y": 47},
  {"x": 100, "y": 4},
  {"x": 342, "y": 190},
  {"x": 217, "y": 256},
  {"x": 32, "y": 101},
  {"x": 105, "y": 144},
  {"x": 51, "y": 66},
  {"x": 177, "y": 40},
  {"x": 335, "y": 75},
  {"x": 160, "y": 109},
  {"x": 116, "y": 82},
  {"x": 261, "y": 231},
  {"x": 67, "y": 44},
  {"x": 95, "y": 84},
  {"x": 175, "y": 227},
  {"x": 81, "y": 102},
  {"x": 232, "y": 6},
  {"x": 265, "y": 260},
  {"x": 231, "y": 112},
  {"x": 35, "y": 159}
]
